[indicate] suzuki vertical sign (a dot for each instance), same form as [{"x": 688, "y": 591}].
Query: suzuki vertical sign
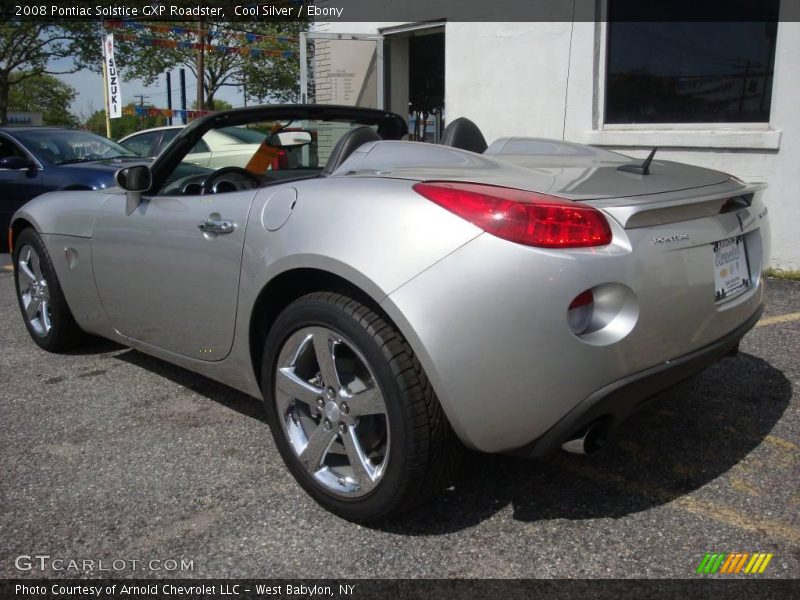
[{"x": 113, "y": 90}]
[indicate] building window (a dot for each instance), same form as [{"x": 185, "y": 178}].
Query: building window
[{"x": 689, "y": 72}]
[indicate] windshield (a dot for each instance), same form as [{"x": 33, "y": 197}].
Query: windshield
[
  {"x": 67, "y": 146},
  {"x": 254, "y": 154}
]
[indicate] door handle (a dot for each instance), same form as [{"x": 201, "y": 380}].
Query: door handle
[{"x": 216, "y": 226}]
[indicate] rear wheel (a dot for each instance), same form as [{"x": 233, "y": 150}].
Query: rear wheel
[
  {"x": 41, "y": 301},
  {"x": 352, "y": 412}
]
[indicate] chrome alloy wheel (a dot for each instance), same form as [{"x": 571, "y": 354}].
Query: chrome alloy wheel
[
  {"x": 332, "y": 411},
  {"x": 34, "y": 291}
]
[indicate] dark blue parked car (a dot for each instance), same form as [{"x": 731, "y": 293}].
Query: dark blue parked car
[{"x": 35, "y": 160}]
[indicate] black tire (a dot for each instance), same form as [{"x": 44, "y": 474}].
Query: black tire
[
  {"x": 63, "y": 334},
  {"x": 425, "y": 453}
]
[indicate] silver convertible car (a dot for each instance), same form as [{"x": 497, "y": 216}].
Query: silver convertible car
[{"x": 392, "y": 301}]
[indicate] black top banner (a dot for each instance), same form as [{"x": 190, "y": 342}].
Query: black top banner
[
  {"x": 405, "y": 11},
  {"x": 395, "y": 589}
]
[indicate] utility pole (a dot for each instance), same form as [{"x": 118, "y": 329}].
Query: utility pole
[
  {"x": 141, "y": 98},
  {"x": 169, "y": 96},
  {"x": 105, "y": 86},
  {"x": 201, "y": 66},
  {"x": 183, "y": 94}
]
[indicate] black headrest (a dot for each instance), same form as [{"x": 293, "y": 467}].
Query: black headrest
[
  {"x": 463, "y": 133},
  {"x": 347, "y": 144}
]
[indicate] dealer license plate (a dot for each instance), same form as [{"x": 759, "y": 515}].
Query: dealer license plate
[{"x": 731, "y": 273}]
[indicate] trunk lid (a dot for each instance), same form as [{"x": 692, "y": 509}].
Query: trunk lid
[
  {"x": 569, "y": 170},
  {"x": 607, "y": 181},
  {"x": 670, "y": 193},
  {"x": 587, "y": 173}
]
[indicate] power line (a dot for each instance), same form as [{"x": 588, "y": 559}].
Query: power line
[{"x": 192, "y": 87}]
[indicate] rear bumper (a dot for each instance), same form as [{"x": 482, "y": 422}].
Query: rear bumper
[
  {"x": 488, "y": 323},
  {"x": 618, "y": 400}
]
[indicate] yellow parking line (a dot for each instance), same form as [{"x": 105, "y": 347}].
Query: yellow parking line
[
  {"x": 702, "y": 508},
  {"x": 780, "y": 442},
  {"x": 8, "y": 268},
  {"x": 779, "y": 319}
]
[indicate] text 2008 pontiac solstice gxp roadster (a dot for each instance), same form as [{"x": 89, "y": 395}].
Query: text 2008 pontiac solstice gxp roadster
[{"x": 391, "y": 301}]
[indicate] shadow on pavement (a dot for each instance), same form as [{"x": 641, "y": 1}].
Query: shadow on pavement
[
  {"x": 95, "y": 345},
  {"x": 213, "y": 390},
  {"x": 685, "y": 438}
]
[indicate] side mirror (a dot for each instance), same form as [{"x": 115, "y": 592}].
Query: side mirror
[
  {"x": 135, "y": 179},
  {"x": 290, "y": 139},
  {"x": 16, "y": 163}
]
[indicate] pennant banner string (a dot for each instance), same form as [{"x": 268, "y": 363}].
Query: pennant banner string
[
  {"x": 219, "y": 48},
  {"x": 242, "y": 35},
  {"x": 151, "y": 111}
]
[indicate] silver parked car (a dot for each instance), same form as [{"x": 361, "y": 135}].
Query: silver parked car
[
  {"x": 224, "y": 147},
  {"x": 393, "y": 301}
]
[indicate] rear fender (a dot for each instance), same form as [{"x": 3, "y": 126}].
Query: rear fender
[{"x": 373, "y": 233}]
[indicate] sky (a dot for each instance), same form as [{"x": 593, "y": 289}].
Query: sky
[{"x": 89, "y": 86}]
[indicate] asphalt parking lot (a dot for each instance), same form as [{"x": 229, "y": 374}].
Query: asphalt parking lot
[{"x": 110, "y": 454}]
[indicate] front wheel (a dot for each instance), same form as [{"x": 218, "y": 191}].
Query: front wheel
[
  {"x": 352, "y": 412},
  {"x": 41, "y": 301}
]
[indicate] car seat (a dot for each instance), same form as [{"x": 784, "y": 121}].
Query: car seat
[
  {"x": 347, "y": 144},
  {"x": 464, "y": 134}
]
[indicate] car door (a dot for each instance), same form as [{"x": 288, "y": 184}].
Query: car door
[
  {"x": 200, "y": 155},
  {"x": 17, "y": 186},
  {"x": 164, "y": 281},
  {"x": 143, "y": 144},
  {"x": 167, "y": 135}
]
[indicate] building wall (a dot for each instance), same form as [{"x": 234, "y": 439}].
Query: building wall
[
  {"x": 508, "y": 77},
  {"x": 768, "y": 153},
  {"x": 546, "y": 80},
  {"x": 397, "y": 72}
]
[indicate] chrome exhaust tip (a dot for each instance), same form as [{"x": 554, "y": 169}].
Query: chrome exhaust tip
[{"x": 590, "y": 441}]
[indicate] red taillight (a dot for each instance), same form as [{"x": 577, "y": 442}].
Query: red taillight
[{"x": 524, "y": 217}]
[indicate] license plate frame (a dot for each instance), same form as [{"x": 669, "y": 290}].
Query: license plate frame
[{"x": 731, "y": 268}]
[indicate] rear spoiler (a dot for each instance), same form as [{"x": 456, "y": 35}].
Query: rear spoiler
[{"x": 680, "y": 205}]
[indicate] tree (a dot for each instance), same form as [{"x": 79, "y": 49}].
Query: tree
[
  {"x": 45, "y": 94},
  {"x": 28, "y": 48},
  {"x": 126, "y": 124},
  {"x": 215, "y": 104},
  {"x": 268, "y": 78}
]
